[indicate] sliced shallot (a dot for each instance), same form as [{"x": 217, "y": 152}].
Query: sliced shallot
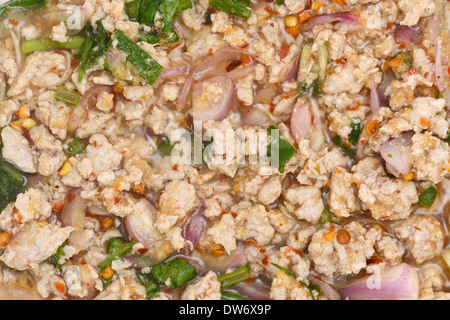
[
  {"x": 400, "y": 282},
  {"x": 301, "y": 121},
  {"x": 396, "y": 153},
  {"x": 212, "y": 98},
  {"x": 195, "y": 226},
  {"x": 252, "y": 290},
  {"x": 347, "y": 17},
  {"x": 405, "y": 34},
  {"x": 440, "y": 80},
  {"x": 290, "y": 71},
  {"x": 140, "y": 225}
]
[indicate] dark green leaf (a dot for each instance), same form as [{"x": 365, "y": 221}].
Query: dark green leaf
[
  {"x": 285, "y": 150},
  {"x": 164, "y": 147},
  {"x": 353, "y": 136},
  {"x": 174, "y": 272},
  {"x": 118, "y": 247},
  {"x": 427, "y": 197},
  {"x": 234, "y": 7},
  {"x": 141, "y": 61},
  {"x": 346, "y": 148},
  {"x": 55, "y": 257},
  {"x": 12, "y": 182},
  {"x": 132, "y": 10},
  {"x": 75, "y": 147},
  {"x": 149, "y": 283}
]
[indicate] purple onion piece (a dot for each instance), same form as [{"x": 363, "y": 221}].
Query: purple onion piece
[
  {"x": 253, "y": 117},
  {"x": 196, "y": 225},
  {"x": 400, "y": 282},
  {"x": 252, "y": 290},
  {"x": 375, "y": 103},
  {"x": 347, "y": 17},
  {"x": 439, "y": 75},
  {"x": 396, "y": 153},
  {"x": 405, "y": 34},
  {"x": 301, "y": 120},
  {"x": 73, "y": 212},
  {"x": 290, "y": 72},
  {"x": 213, "y": 110}
]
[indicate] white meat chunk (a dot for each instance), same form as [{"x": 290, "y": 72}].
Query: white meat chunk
[
  {"x": 285, "y": 287},
  {"x": 252, "y": 222},
  {"x": 17, "y": 150},
  {"x": 204, "y": 288},
  {"x": 177, "y": 200},
  {"x": 42, "y": 69},
  {"x": 32, "y": 243},
  {"x": 304, "y": 202},
  {"x": 416, "y": 9},
  {"x": 123, "y": 289},
  {"x": 342, "y": 250},
  {"x": 51, "y": 154},
  {"x": 422, "y": 235},
  {"x": 430, "y": 157},
  {"x": 386, "y": 198},
  {"x": 390, "y": 249},
  {"x": 342, "y": 196}
]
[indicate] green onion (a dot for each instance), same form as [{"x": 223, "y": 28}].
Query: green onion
[
  {"x": 29, "y": 46},
  {"x": 67, "y": 96},
  {"x": 427, "y": 197},
  {"x": 326, "y": 215},
  {"x": 235, "y": 7},
  {"x": 141, "y": 61},
  {"x": 290, "y": 274},
  {"x": 230, "y": 295},
  {"x": 238, "y": 275}
]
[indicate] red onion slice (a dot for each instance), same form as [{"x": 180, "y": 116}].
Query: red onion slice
[
  {"x": 439, "y": 75},
  {"x": 290, "y": 72},
  {"x": 396, "y": 153},
  {"x": 73, "y": 212},
  {"x": 405, "y": 34},
  {"x": 217, "y": 108},
  {"x": 87, "y": 100},
  {"x": 301, "y": 121},
  {"x": 375, "y": 103},
  {"x": 400, "y": 282},
  {"x": 210, "y": 65},
  {"x": 388, "y": 77},
  {"x": 252, "y": 290},
  {"x": 195, "y": 225},
  {"x": 346, "y": 17},
  {"x": 140, "y": 226},
  {"x": 242, "y": 71}
]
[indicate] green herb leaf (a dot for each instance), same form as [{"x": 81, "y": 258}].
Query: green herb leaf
[
  {"x": 353, "y": 136},
  {"x": 75, "y": 147},
  {"x": 55, "y": 257},
  {"x": 326, "y": 215},
  {"x": 164, "y": 147},
  {"x": 285, "y": 150},
  {"x": 231, "y": 278},
  {"x": 174, "y": 272},
  {"x": 427, "y": 197},
  {"x": 314, "y": 289},
  {"x": 132, "y": 10},
  {"x": 118, "y": 247},
  {"x": 95, "y": 45},
  {"x": 141, "y": 61},
  {"x": 167, "y": 10},
  {"x": 149, "y": 283},
  {"x": 346, "y": 148},
  {"x": 235, "y": 7},
  {"x": 290, "y": 274},
  {"x": 12, "y": 182}
]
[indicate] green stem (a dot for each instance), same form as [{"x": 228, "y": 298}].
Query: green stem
[
  {"x": 238, "y": 275},
  {"x": 29, "y": 46},
  {"x": 67, "y": 96}
]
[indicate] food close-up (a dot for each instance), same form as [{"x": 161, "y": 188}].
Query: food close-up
[{"x": 224, "y": 149}]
